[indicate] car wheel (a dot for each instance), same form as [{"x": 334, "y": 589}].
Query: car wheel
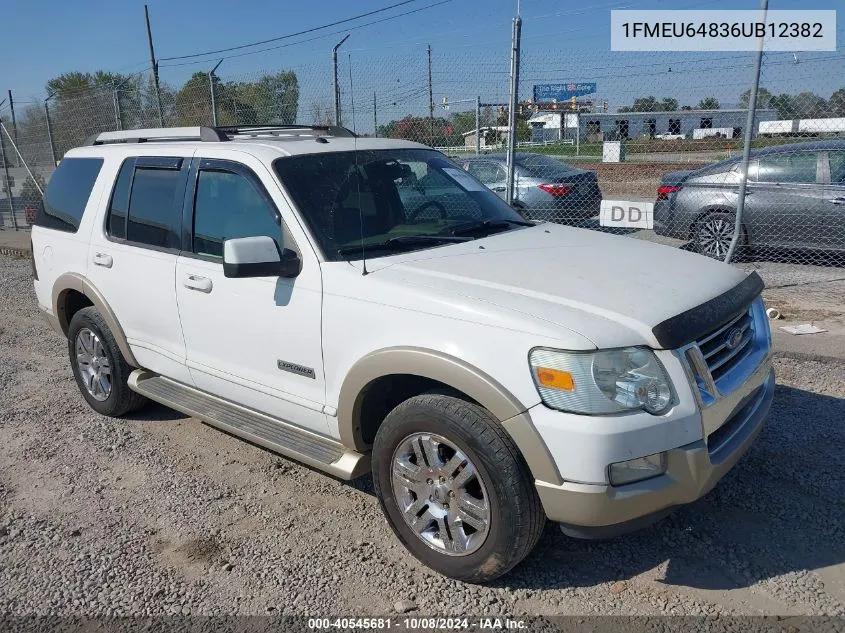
[
  {"x": 455, "y": 488},
  {"x": 713, "y": 235},
  {"x": 98, "y": 365}
]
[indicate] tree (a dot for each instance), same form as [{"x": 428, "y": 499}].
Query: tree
[
  {"x": 523, "y": 130},
  {"x": 708, "y": 103},
  {"x": 416, "y": 128},
  {"x": 836, "y": 103},
  {"x": 30, "y": 195},
  {"x": 764, "y": 98},
  {"x": 669, "y": 104},
  {"x": 785, "y": 106},
  {"x": 809, "y": 105}
]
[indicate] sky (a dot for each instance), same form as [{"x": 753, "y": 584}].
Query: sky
[{"x": 563, "y": 40}]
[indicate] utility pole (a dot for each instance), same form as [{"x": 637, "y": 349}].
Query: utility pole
[
  {"x": 14, "y": 122},
  {"x": 116, "y": 102},
  {"x": 375, "y": 118},
  {"x": 517, "y": 30},
  {"x": 336, "y": 85},
  {"x": 155, "y": 67},
  {"x": 430, "y": 97},
  {"x": 7, "y": 183},
  {"x": 213, "y": 98}
]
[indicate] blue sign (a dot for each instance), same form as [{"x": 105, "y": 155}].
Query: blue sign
[{"x": 562, "y": 92}]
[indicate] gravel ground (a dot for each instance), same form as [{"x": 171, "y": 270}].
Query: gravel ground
[{"x": 159, "y": 514}]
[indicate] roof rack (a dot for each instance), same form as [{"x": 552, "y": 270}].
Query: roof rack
[
  {"x": 152, "y": 135},
  {"x": 282, "y": 130},
  {"x": 211, "y": 134}
]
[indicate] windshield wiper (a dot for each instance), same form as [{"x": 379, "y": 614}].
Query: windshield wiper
[
  {"x": 490, "y": 226},
  {"x": 401, "y": 243}
]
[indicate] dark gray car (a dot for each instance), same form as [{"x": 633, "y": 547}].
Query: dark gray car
[
  {"x": 795, "y": 199},
  {"x": 545, "y": 188}
]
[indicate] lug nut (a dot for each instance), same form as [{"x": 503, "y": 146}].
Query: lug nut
[
  {"x": 451, "y": 493},
  {"x": 446, "y": 506},
  {"x": 429, "y": 481}
]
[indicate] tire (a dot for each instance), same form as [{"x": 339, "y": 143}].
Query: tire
[
  {"x": 713, "y": 234},
  {"x": 491, "y": 480},
  {"x": 89, "y": 338}
]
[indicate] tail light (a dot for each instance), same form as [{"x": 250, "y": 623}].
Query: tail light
[
  {"x": 32, "y": 260},
  {"x": 664, "y": 191},
  {"x": 556, "y": 189}
]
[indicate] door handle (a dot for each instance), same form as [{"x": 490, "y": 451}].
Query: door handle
[
  {"x": 837, "y": 200},
  {"x": 104, "y": 260},
  {"x": 195, "y": 282},
  {"x": 499, "y": 188}
]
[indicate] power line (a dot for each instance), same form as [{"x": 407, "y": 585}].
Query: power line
[
  {"x": 289, "y": 35},
  {"x": 311, "y": 39}
]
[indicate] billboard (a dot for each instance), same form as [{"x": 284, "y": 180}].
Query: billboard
[{"x": 562, "y": 92}]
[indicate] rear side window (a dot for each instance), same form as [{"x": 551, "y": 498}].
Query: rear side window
[
  {"x": 798, "y": 167},
  {"x": 837, "y": 168},
  {"x": 67, "y": 194},
  {"x": 146, "y": 203}
]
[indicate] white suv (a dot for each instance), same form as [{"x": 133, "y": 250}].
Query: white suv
[{"x": 364, "y": 305}]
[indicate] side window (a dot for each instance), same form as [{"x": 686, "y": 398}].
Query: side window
[
  {"x": 229, "y": 205},
  {"x": 799, "y": 167},
  {"x": 154, "y": 207},
  {"x": 67, "y": 194},
  {"x": 486, "y": 171},
  {"x": 837, "y": 167},
  {"x": 119, "y": 206}
]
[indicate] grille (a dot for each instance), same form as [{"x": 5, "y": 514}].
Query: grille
[{"x": 726, "y": 347}]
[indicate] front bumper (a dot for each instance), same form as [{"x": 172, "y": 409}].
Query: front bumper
[{"x": 692, "y": 471}]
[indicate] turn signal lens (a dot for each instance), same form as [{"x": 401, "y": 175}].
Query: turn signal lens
[{"x": 555, "y": 379}]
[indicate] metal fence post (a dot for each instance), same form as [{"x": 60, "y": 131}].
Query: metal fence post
[
  {"x": 116, "y": 100},
  {"x": 477, "y": 126},
  {"x": 8, "y": 182},
  {"x": 514, "y": 99},
  {"x": 50, "y": 131},
  {"x": 749, "y": 134},
  {"x": 14, "y": 121}
]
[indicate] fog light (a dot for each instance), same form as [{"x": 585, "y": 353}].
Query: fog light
[{"x": 637, "y": 469}]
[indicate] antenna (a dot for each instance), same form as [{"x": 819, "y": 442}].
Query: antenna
[{"x": 357, "y": 171}]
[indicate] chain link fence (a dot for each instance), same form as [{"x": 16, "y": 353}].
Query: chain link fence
[{"x": 651, "y": 149}]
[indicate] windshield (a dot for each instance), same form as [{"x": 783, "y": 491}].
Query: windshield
[{"x": 380, "y": 202}]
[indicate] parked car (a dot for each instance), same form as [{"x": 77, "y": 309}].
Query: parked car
[
  {"x": 489, "y": 372},
  {"x": 545, "y": 188},
  {"x": 795, "y": 199}
]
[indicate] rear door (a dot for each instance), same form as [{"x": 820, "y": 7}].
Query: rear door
[
  {"x": 834, "y": 198},
  {"x": 784, "y": 205},
  {"x": 132, "y": 257}
]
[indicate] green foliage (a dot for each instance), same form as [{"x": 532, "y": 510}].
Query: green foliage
[
  {"x": 523, "y": 130},
  {"x": 708, "y": 103}
]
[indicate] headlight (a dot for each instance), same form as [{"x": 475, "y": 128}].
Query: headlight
[{"x": 601, "y": 382}]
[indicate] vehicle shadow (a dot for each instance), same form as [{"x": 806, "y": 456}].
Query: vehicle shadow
[
  {"x": 780, "y": 510},
  {"x": 155, "y": 412}
]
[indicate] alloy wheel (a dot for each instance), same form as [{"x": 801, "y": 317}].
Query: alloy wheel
[
  {"x": 440, "y": 494},
  {"x": 714, "y": 237},
  {"x": 93, "y": 364}
]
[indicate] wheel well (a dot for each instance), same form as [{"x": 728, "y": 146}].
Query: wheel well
[
  {"x": 71, "y": 302},
  {"x": 383, "y": 394}
]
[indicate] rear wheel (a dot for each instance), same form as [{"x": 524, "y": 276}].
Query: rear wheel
[
  {"x": 100, "y": 369},
  {"x": 713, "y": 235},
  {"x": 455, "y": 488}
]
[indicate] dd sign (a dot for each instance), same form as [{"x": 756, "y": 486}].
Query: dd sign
[{"x": 627, "y": 214}]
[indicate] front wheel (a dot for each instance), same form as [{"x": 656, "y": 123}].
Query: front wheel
[{"x": 455, "y": 488}]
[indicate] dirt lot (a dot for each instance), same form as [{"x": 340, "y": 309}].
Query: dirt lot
[{"x": 159, "y": 514}]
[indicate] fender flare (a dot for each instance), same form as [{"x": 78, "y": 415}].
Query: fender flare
[
  {"x": 456, "y": 373},
  {"x": 74, "y": 281}
]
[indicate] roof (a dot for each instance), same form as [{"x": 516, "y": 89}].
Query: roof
[
  {"x": 811, "y": 146},
  {"x": 677, "y": 112},
  {"x": 498, "y": 128}
]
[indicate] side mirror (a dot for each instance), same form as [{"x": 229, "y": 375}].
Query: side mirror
[{"x": 258, "y": 256}]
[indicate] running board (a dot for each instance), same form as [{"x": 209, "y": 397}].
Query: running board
[{"x": 272, "y": 433}]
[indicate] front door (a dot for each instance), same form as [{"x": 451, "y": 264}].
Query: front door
[{"x": 253, "y": 341}]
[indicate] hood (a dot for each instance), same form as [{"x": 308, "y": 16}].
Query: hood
[{"x": 610, "y": 289}]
